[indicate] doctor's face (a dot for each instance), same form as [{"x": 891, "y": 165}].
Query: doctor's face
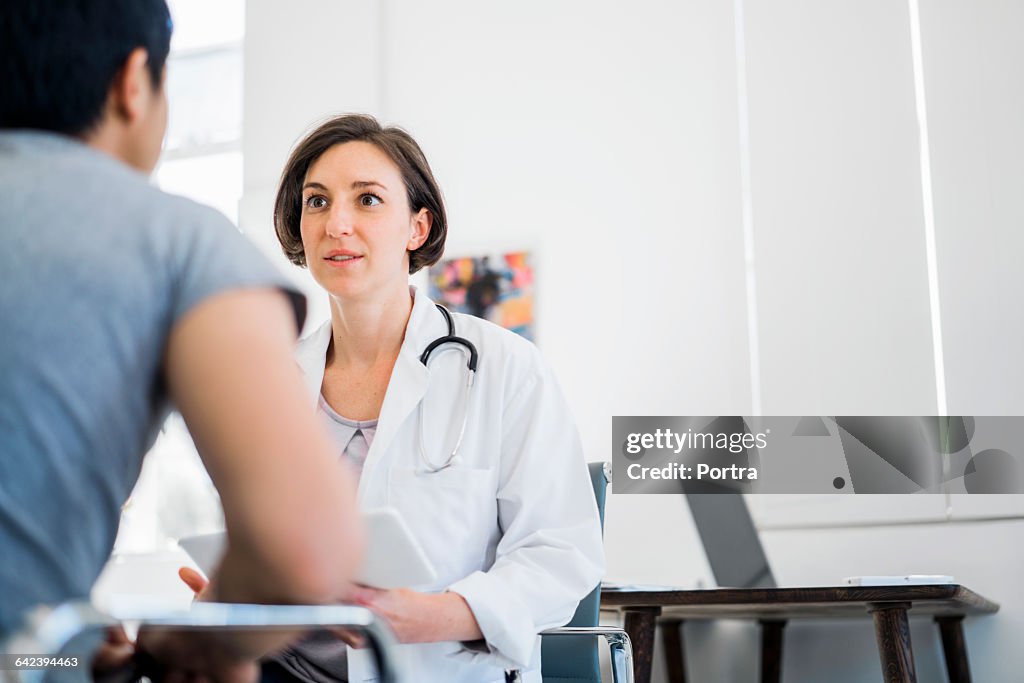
[{"x": 356, "y": 225}]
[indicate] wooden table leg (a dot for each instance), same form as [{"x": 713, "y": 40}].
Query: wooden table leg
[
  {"x": 771, "y": 650},
  {"x": 892, "y": 630},
  {"x": 639, "y": 625},
  {"x": 954, "y": 647},
  {"x": 675, "y": 650}
]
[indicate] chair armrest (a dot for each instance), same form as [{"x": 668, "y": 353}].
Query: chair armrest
[
  {"x": 72, "y": 628},
  {"x": 618, "y": 643},
  {"x": 79, "y": 627},
  {"x": 607, "y": 632}
]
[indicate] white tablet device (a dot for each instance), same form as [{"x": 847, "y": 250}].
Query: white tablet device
[{"x": 394, "y": 559}]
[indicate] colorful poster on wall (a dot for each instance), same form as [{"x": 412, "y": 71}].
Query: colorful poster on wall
[{"x": 497, "y": 287}]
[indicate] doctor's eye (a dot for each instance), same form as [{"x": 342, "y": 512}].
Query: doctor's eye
[
  {"x": 369, "y": 199},
  {"x": 316, "y": 202}
]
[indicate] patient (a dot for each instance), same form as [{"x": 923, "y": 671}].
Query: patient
[{"x": 119, "y": 301}]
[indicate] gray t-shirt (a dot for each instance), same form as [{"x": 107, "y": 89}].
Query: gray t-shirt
[{"x": 97, "y": 267}]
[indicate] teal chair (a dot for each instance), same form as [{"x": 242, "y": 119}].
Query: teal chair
[{"x": 569, "y": 654}]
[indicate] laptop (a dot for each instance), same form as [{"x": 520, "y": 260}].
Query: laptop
[{"x": 730, "y": 540}]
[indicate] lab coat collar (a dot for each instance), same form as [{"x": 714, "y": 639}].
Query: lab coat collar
[
  {"x": 425, "y": 325},
  {"x": 311, "y": 355},
  {"x": 409, "y": 378}
]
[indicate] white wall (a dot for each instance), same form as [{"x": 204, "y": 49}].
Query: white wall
[
  {"x": 975, "y": 109},
  {"x": 837, "y": 210},
  {"x": 606, "y": 137},
  {"x": 973, "y": 54},
  {"x": 304, "y": 60}
]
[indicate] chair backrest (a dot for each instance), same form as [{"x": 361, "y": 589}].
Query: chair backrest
[{"x": 573, "y": 659}]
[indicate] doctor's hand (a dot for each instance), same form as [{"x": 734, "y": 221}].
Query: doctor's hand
[{"x": 420, "y": 617}]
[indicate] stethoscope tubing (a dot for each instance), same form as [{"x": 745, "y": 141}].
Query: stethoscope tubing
[{"x": 471, "y": 363}]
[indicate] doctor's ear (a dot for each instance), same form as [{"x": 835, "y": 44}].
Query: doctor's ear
[{"x": 419, "y": 229}]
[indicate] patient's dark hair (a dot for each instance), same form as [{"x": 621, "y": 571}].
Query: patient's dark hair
[
  {"x": 420, "y": 187},
  {"x": 58, "y": 58}
]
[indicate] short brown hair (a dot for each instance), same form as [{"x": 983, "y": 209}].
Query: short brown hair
[{"x": 420, "y": 187}]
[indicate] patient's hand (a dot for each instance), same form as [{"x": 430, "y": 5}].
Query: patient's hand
[
  {"x": 113, "y": 660},
  {"x": 194, "y": 580},
  {"x": 177, "y": 656}
]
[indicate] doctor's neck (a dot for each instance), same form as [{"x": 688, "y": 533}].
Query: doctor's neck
[{"x": 371, "y": 330}]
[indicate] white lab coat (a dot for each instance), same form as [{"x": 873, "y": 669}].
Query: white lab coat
[{"x": 513, "y": 528}]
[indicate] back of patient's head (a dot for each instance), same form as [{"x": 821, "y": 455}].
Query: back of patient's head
[{"x": 59, "y": 58}]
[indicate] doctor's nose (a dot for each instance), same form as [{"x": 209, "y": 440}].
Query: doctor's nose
[{"x": 339, "y": 223}]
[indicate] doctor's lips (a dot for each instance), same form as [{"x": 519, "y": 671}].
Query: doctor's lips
[{"x": 342, "y": 257}]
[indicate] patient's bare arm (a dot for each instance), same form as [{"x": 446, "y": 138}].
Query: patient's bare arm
[{"x": 289, "y": 509}]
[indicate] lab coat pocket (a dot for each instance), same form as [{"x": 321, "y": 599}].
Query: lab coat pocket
[{"x": 453, "y": 514}]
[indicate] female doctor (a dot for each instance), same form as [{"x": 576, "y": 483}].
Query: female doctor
[{"x": 509, "y": 523}]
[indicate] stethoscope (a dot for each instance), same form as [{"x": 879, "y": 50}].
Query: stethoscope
[{"x": 467, "y": 346}]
